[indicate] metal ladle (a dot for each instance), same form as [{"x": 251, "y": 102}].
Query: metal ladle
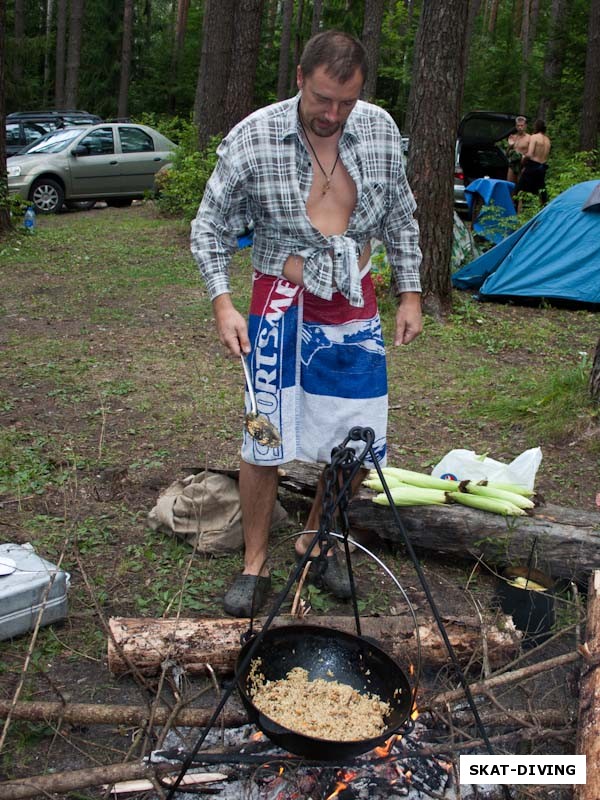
[{"x": 257, "y": 425}]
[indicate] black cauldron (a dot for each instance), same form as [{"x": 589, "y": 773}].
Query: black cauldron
[{"x": 333, "y": 656}]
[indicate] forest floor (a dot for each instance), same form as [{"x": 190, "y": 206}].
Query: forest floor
[{"x": 114, "y": 386}]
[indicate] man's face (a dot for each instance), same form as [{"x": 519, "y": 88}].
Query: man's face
[
  {"x": 520, "y": 125},
  {"x": 326, "y": 103}
]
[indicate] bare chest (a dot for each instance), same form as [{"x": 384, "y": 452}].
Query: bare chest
[{"x": 332, "y": 197}]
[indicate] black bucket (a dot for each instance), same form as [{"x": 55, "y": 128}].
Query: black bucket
[{"x": 532, "y": 609}]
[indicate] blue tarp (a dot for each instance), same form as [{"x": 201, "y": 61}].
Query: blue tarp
[
  {"x": 556, "y": 255},
  {"x": 496, "y": 217}
]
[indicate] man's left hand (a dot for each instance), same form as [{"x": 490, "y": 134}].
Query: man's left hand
[{"x": 409, "y": 319}]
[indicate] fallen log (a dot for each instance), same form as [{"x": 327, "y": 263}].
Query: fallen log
[
  {"x": 588, "y": 725},
  {"x": 97, "y": 714},
  {"x": 192, "y": 643},
  {"x": 568, "y": 539},
  {"x": 64, "y": 782}
]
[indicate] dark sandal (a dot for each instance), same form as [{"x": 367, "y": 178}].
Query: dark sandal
[
  {"x": 335, "y": 577},
  {"x": 246, "y": 595}
]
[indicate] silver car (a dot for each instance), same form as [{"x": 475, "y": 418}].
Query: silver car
[{"x": 115, "y": 162}]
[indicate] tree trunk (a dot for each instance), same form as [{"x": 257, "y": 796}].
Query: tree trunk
[
  {"x": 74, "y": 53},
  {"x": 192, "y": 643},
  {"x": 493, "y": 16},
  {"x": 437, "y": 85},
  {"x": 553, "y": 61},
  {"x": 47, "y": 48},
  {"x": 595, "y": 375},
  {"x": 371, "y": 37},
  {"x": 474, "y": 7},
  {"x": 297, "y": 46},
  {"x": 215, "y": 61},
  {"x": 588, "y": 728},
  {"x": 60, "y": 48},
  {"x": 284, "y": 51},
  {"x": 5, "y": 219},
  {"x": 315, "y": 24},
  {"x": 246, "y": 46},
  {"x": 19, "y": 49},
  {"x": 525, "y": 52},
  {"x": 122, "y": 106},
  {"x": 590, "y": 117},
  {"x": 567, "y": 539},
  {"x": 183, "y": 7}
]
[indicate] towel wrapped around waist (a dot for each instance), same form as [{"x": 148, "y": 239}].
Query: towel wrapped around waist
[{"x": 318, "y": 368}]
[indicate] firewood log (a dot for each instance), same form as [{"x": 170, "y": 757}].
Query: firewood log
[
  {"x": 588, "y": 726},
  {"x": 192, "y": 643}
]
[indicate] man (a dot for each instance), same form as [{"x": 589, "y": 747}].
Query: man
[
  {"x": 533, "y": 172},
  {"x": 518, "y": 142},
  {"x": 319, "y": 175}
]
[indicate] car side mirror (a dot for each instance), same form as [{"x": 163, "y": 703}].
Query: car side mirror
[{"x": 80, "y": 150}]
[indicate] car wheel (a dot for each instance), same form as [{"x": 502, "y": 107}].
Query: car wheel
[
  {"x": 47, "y": 195},
  {"x": 80, "y": 205},
  {"x": 119, "y": 202}
]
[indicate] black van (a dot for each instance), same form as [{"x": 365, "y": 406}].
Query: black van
[
  {"x": 24, "y": 127},
  {"x": 478, "y": 150}
]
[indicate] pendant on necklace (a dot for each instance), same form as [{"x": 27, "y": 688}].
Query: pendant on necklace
[{"x": 326, "y": 187}]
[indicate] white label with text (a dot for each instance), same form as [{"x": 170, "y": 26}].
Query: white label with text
[{"x": 533, "y": 770}]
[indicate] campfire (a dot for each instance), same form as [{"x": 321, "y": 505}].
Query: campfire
[{"x": 255, "y": 768}]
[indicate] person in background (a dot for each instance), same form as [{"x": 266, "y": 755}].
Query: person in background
[
  {"x": 319, "y": 175},
  {"x": 535, "y": 163},
  {"x": 518, "y": 142}
]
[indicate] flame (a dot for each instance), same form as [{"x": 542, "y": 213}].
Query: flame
[
  {"x": 346, "y": 778},
  {"x": 408, "y": 776},
  {"x": 386, "y": 748},
  {"x": 256, "y": 737},
  {"x": 411, "y": 669},
  {"x": 414, "y": 714}
]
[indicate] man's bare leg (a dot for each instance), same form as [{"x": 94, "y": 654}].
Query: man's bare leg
[{"x": 258, "y": 492}]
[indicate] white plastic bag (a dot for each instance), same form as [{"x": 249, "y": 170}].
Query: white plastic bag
[{"x": 463, "y": 465}]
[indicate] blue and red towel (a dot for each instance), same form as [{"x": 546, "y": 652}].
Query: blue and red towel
[{"x": 318, "y": 369}]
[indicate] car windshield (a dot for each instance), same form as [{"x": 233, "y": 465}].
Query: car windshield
[{"x": 53, "y": 142}]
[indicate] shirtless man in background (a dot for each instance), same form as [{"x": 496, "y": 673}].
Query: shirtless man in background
[
  {"x": 319, "y": 175},
  {"x": 518, "y": 143},
  {"x": 535, "y": 163}
]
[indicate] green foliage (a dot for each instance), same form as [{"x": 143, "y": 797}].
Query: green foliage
[
  {"x": 178, "y": 129},
  {"x": 180, "y": 189}
]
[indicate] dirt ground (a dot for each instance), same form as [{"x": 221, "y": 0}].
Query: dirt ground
[{"x": 115, "y": 456}]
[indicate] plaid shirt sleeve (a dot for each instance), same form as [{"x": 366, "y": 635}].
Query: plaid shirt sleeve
[
  {"x": 400, "y": 234},
  {"x": 221, "y": 217}
]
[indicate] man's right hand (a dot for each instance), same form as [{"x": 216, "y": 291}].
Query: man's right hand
[{"x": 231, "y": 325}]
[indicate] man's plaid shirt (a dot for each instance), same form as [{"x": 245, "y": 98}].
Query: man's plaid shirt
[{"x": 264, "y": 176}]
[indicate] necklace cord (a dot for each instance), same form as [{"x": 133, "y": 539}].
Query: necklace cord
[{"x": 327, "y": 177}]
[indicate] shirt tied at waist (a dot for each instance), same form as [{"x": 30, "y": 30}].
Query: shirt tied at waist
[{"x": 334, "y": 268}]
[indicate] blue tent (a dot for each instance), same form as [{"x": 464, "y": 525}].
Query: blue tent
[{"x": 556, "y": 255}]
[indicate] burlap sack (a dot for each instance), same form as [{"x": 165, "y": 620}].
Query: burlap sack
[{"x": 204, "y": 510}]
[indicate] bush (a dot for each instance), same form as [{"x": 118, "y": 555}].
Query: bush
[{"x": 180, "y": 188}]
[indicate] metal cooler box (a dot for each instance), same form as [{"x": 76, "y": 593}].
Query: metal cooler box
[{"x": 24, "y": 580}]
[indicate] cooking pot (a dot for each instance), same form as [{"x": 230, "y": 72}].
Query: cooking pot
[{"x": 333, "y": 656}]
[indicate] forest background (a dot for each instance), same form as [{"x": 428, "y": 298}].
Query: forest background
[
  {"x": 194, "y": 68},
  {"x": 128, "y": 57}
]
